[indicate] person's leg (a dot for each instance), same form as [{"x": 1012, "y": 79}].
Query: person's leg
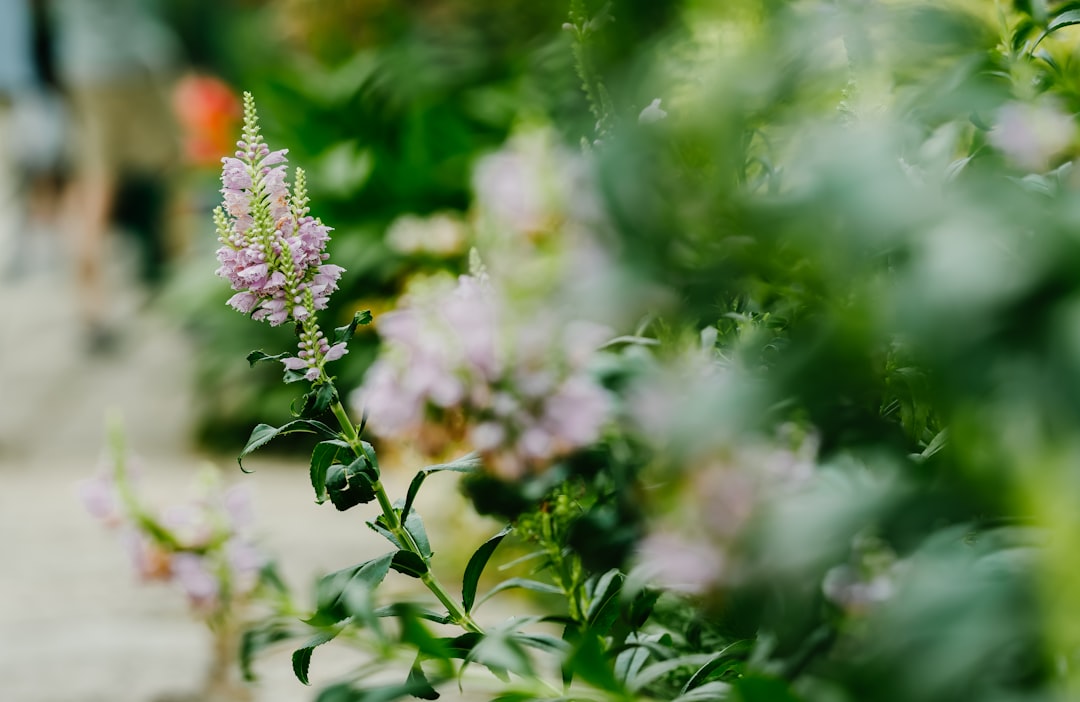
[{"x": 93, "y": 194}]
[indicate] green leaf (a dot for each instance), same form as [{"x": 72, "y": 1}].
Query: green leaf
[
  {"x": 630, "y": 661},
  {"x": 418, "y": 681},
  {"x": 351, "y": 485},
  {"x": 325, "y": 454},
  {"x": 301, "y": 657},
  {"x": 1065, "y": 19},
  {"x": 465, "y": 464},
  {"x": 476, "y": 565},
  {"x": 415, "y": 526},
  {"x": 723, "y": 655},
  {"x": 499, "y": 652},
  {"x": 761, "y": 689},
  {"x": 416, "y": 635},
  {"x": 408, "y": 563},
  {"x": 654, "y": 672},
  {"x": 543, "y": 642},
  {"x": 258, "y": 639},
  {"x": 395, "y": 610},
  {"x": 318, "y": 400},
  {"x": 524, "y": 584},
  {"x": 344, "y": 692},
  {"x": 590, "y": 664},
  {"x": 332, "y": 589},
  {"x": 604, "y": 601},
  {"x": 263, "y": 434},
  {"x": 259, "y": 357},
  {"x": 346, "y": 332},
  {"x": 709, "y": 692}
]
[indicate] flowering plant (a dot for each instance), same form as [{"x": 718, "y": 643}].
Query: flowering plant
[
  {"x": 829, "y": 463},
  {"x": 204, "y": 546}
]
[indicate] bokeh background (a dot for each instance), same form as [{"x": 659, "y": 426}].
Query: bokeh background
[{"x": 870, "y": 207}]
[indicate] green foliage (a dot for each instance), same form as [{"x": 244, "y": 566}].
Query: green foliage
[{"x": 860, "y": 220}]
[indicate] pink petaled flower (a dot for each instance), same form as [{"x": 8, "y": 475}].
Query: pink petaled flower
[
  {"x": 244, "y": 562},
  {"x": 273, "y": 253},
  {"x": 1032, "y": 135},
  {"x": 576, "y": 412},
  {"x": 523, "y": 384},
  {"x": 98, "y": 495},
  {"x": 193, "y": 575},
  {"x": 680, "y": 565}
]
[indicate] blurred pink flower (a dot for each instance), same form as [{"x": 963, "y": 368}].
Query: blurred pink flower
[
  {"x": 521, "y": 383},
  {"x": 678, "y": 564},
  {"x": 98, "y": 495},
  {"x": 1032, "y": 135},
  {"x": 193, "y": 574}
]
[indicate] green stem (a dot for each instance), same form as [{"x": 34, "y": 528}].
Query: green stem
[{"x": 404, "y": 538}]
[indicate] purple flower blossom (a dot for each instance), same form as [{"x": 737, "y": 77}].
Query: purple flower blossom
[
  {"x": 462, "y": 350},
  {"x": 272, "y": 252},
  {"x": 195, "y": 578}
]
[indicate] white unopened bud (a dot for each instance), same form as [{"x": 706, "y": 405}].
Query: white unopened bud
[{"x": 652, "y": 114}]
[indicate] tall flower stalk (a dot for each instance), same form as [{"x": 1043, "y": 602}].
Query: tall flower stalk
[{"x": 273, "y": 252}]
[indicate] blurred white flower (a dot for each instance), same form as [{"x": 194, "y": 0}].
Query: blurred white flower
[
  {"x": 652, "y": 113},
  {"x": 440, "y": 234}
]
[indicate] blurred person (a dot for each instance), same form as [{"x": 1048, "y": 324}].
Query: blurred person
[
  {"x": 35, "y": 125},
  {"x": 116, "y": 59}
]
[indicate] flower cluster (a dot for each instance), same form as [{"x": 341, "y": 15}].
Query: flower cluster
[
  {"x": 696, "y": 548},
  {"x": 204, "y": 546},
  {"x": 273, "y": 252},
  {"x": 523, "y": 388}
]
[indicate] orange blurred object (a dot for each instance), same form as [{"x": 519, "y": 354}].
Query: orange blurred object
[{"x": 209, "y": 113}]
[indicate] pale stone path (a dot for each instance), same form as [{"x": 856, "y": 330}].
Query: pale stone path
[{"x": 75, "y": 625}]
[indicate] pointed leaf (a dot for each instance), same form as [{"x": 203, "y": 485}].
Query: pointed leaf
[
  {"x": 331, "y": 590},
  {"x": 346, "y": 332},
  {"x": 476, "y": 565},
  {"x": 351, "y": 485},
  {"x": 720, "y": 657},
  {"x": 418, "y": 681},
  {"x": 465, "y": 464},
  {"x": 589, "y": 663},
  {"x": 257, "y": 639},
  {"x": 408, "y": 563},
  {"x": 259, "y": 357},
  {"x": 415, "y": 526},
  {"x": 604, "y": 602},
  {"x": 524, "y": 584},
  {"x": 317, "y": 401},
  {"x": 325, "y": 454},
  {"x": 395, "y": 610},
  {"x": 543, "y": 642},
  {"x": 654, "y": 672},
  {"x": 263, "y": 434},
  {"x": 1065, "y": 19},
  {"x": 301, "y": 657}
]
